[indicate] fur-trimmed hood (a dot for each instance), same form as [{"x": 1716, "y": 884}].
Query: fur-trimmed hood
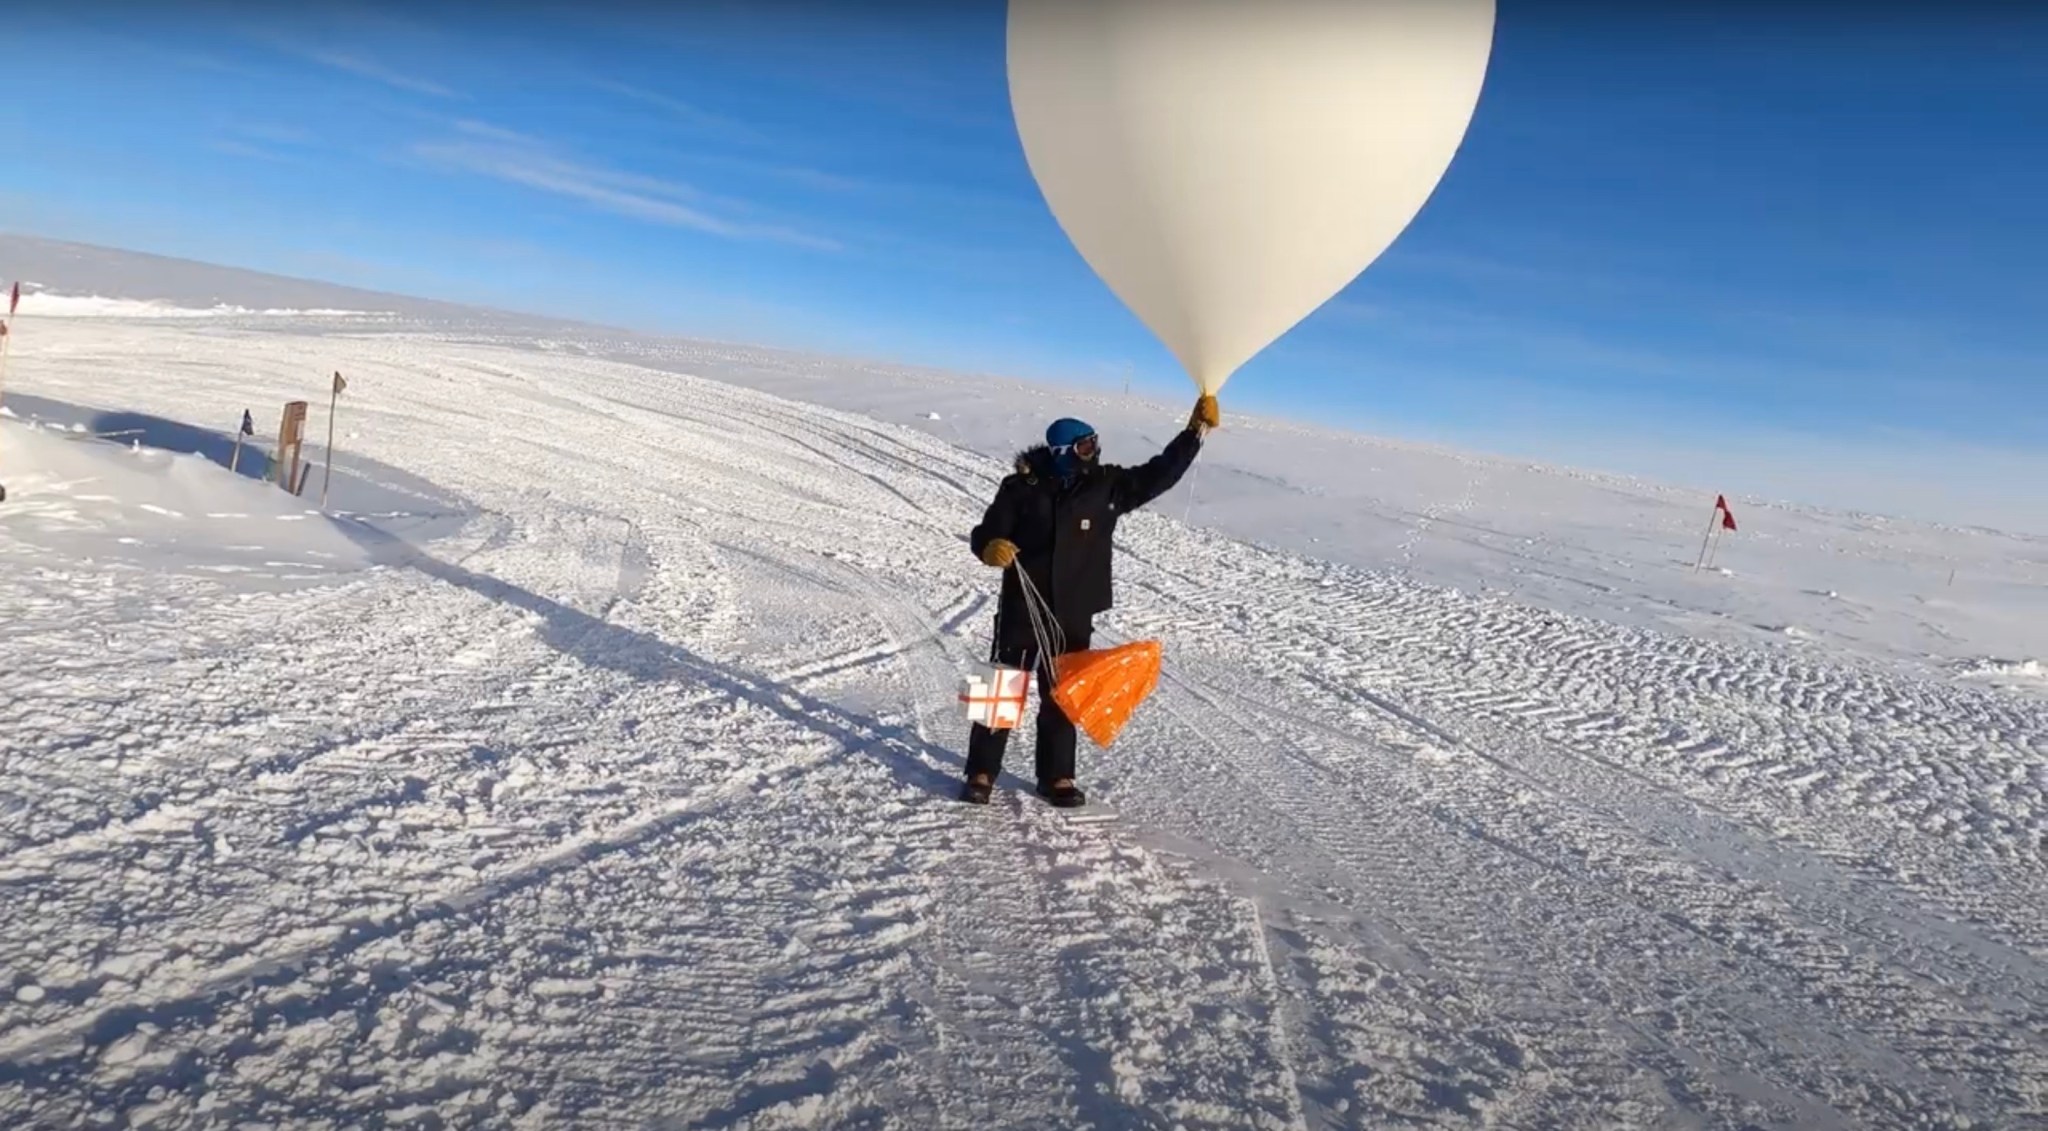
[
  {"x": 1064, "y": 533},
  {"x": 1035, "y": 462}
]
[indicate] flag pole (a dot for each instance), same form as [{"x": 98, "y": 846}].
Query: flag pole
[
  {"x": 6, "y": 343},
  {"x": 7, "y": 336},
  {"x": 6, "y": 340},
  {"x": 1707, "y": 537},
  {"x": 333, "y": 400},
  {"x": 235, "y": 460}
]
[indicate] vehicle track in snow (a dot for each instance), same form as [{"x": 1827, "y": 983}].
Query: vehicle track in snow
[
  {"x": 633, "y": 805},
  {"x": 1677, "y": 873},
  {"x": 998, "y": 889}
]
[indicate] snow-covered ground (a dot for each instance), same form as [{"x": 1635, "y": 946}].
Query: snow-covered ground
[
  {"x": 100, "y": 306},
  {"x": 592, "y": 764}
]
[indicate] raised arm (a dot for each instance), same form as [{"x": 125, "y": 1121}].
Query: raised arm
[{"x": 1156, "y": 476}]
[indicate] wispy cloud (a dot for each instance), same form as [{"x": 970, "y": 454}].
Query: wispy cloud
[
  {"x": 694, "y": 117},
  {"x": 1548, "y": 343},
  {"x": 803, "y": 175},
  {"x": 273, "y": 134},
  {"x": 263, "y": 141},
  {"x": 201, "y": 61},
  {"x": 243, "y": 149},
  {"x": 339, "y": 34},
  {"x": 1900, "y": 349},
  {"x": 377, "y": 72},
  {"x": 1863, "y": 359},
  {"x": 707, "y": 124},
  {"x": 475, "y": 128},
  {"x": 1465, "y": 267},
  {"x": 506, "y": 156}
]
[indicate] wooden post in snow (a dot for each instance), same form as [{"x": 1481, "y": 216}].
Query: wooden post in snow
[{"x": 290, "y": 438}]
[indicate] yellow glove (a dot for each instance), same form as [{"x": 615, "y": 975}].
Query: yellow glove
[
  {"x": 999, "y": 552},
  {"x": 1206, "y": 414}
]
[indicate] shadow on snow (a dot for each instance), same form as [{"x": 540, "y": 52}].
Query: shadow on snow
[
  {"x": 589, "y": 639},
  {"x": 602, "y": 644}
]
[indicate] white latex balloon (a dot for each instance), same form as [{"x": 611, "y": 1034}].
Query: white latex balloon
[{"x": 1226, "y": 166}]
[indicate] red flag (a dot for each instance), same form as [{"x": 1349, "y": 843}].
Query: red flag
[
  {"x": 1727, "y": 516},
  {"x": 14, "y": 299}
]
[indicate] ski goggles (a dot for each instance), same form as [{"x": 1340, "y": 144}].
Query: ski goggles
[{"x": 1085, "y": 447}]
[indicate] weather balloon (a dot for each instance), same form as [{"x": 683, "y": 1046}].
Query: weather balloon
[{"x": 1226, "y": 166}]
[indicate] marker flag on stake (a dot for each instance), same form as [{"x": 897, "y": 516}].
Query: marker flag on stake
[
  {"x": 1727, "y": 516},
  {"x": 248, "y": 423},
  {"x": 13, "y": 299},
  {"x": 334, "y": 399}
]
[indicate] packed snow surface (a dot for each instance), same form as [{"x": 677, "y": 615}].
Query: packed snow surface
[{"x": 587, "y": 761}]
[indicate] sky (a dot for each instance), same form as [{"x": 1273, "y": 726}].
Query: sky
[{"x": 1785, "y": 250}]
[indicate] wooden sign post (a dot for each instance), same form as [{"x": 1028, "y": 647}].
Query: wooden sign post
[{"x": 289, "y": 439}]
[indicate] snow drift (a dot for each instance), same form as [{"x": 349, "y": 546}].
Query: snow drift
[
  {"x": 76, "y": 499},
  {"x": 49, "y": 305}
]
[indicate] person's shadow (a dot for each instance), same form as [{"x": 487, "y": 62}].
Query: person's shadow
[
  {"x": 603, "y": 644},
  {"x": 369, "y": 486}
]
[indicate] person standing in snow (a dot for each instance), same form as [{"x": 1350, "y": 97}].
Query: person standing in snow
[{"x": 1054, "y": 519}]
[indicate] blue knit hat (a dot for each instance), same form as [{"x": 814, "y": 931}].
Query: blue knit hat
[
  {"x": 1060, "y": 436},
  {"x": 1065, "y": 431}
]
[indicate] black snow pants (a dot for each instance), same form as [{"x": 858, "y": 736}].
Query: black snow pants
[{"x": 1056, "y": 734}]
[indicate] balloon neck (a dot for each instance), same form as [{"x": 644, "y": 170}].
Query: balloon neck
[{"x": 1208, "y": 378}]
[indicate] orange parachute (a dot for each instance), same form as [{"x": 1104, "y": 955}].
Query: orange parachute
[{"x": 1100, "y": 688}]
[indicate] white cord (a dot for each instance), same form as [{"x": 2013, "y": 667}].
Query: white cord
[{"x": 1045, "y": 627}]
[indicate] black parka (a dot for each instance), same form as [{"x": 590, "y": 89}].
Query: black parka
[{"x": 1063, "y": 531}]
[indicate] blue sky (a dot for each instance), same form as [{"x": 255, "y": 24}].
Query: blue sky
[{"x": 1797, "y": 255}]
